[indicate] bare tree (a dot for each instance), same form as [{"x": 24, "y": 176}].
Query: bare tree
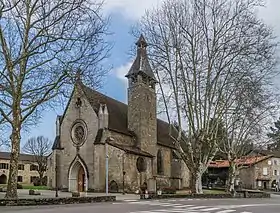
[
  {"x": 43, "y": 44},
  {"x": 40, "y": 148},
  {"x": 244, "y": 127},
  {"x": 202, "y": 52}
]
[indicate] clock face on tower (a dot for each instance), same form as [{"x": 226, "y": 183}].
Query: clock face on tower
[{"x": 79, "y": 133}]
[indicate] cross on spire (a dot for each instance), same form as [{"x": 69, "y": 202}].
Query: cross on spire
[{"x": 78, "y": 75}]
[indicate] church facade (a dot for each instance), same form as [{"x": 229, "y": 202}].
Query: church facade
[{"x": 137, "y": 145}]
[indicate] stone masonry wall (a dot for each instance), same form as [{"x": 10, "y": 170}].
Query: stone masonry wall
[
  {"x": 119, "y": 161},
  {"x": 163, "y": 180},
  {"x": 185, "y": 175},
  {"x": 26, "y": 174},
  {"x": 51, "y": 170},
  {"x": 247, "y": 177},
  {"x": 87, "y": 114},
  {"x": 142, "y": 115}
]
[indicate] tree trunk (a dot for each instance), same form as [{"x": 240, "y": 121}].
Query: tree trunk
[
  {"x": 231, "y": 178},
  {"x": 13, "y": 170},
  {"x": 41, "y": 176},
  {"x": 15, "y": 142},
  {"x": 196, "y": 182}
]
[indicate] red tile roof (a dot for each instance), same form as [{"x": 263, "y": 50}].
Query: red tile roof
[{"x": 246, "y": 161}]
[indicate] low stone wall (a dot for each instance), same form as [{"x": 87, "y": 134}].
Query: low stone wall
[
  {"x": 239, "y": 194},
  {"x": 167, "y": 196},
  {"x": 251, "y": 194},
  {"x": 55, "y": 201}
]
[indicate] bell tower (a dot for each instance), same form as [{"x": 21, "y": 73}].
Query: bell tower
[{"x": 142, "y": 119}]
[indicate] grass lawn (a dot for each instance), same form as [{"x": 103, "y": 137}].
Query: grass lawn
[
  {"x": 26, "y": 186},
  {"x": 35, "y": 187}
]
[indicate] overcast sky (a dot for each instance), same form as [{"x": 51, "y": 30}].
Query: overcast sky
[{"x": 124, "y": 13}]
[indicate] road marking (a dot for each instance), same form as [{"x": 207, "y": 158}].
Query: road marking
[
  {"x": 183, "y": 206},
  {"x": 171, "y": 210},
  {"x": 209, "y": 209},
  {"x": 198, "y": 207},
  {"x": 170, "y": 204},
  {"x": 226, "y": 211},
  {"x": 245, "y": 212}
]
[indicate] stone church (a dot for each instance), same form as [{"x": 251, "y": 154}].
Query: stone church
[{"x": 137, "y": 145}]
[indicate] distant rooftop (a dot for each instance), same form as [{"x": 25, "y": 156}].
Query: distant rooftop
[
  {"x": 246, "y": 161},
  {"x": 22, "y": 157}
]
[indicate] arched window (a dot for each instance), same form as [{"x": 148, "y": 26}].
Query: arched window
[{"x": 160, "y": 163}]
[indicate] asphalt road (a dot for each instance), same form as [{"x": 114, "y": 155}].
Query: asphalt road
[{"x": 161, "y": 206}]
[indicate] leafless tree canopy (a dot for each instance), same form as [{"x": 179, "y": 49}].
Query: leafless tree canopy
[
  {"x": 214, "y": 60},
  {"x": 43, "y": 44},
  {"x": 40, "y": 148}
]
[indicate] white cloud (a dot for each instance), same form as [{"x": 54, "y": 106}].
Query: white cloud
[
  {"x": 121, "y": 71},
  {"x": 131, "y": 9},
  {"x": 271, "y": 14}
]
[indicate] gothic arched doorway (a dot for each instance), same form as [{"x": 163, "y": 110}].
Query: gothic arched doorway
[
  {"x": 3, "y": 179},
  {"x": 78, "y": 177}
]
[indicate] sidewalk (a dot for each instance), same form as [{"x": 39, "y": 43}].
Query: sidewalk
[{"x": 24, "y": 193}]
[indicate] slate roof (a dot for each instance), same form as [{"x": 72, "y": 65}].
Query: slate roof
[
  {"x": 131, "y": 149},
  {"x": 56, "y": 143},
  {"x": 22, "y": 157},
  {"x": 118, "y": 110},
  {"x": 118, "y": 116},
  {"x": 141, "y": 63},
  {"x": 247, "y": 161}
]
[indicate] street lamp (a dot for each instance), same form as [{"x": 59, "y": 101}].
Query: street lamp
[
  {"x": 56, "y": 184},
  {"x": 108, "y": 139},
  {"x": 56, "y": 176},
  {"x": 123, "y": 171}
]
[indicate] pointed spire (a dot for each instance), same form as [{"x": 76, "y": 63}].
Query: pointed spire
[
  {"x": 141, "y": 63},
  {"x": 141, "y": 43}
]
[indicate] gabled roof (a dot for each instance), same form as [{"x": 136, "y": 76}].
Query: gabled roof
[
  {"x": 118, "y": 115},
  {"x": 141, "y": 63},
  {"x": 246, "y": 161}
]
